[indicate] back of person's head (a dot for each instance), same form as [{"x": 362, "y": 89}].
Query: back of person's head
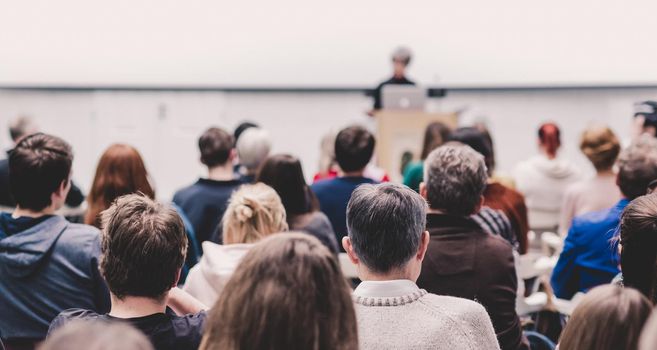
[
  {"x": 600, "y": 145},
  {"x": 143, "y": 247},
  {"x": 120, "y": 171},
  {"x": 608, "y": 317},
  {"x": 354, "y": 147},
  {"x": 242, "y": 127},
  {"x": 287, "y": 293},
  {"x": 253, "y": 148},
  {"x": 327, "y": 152},
  {"x": 402, "y": 55},
  {"x": 20, "y": 127},
  {"x": 254, "y": 211},
  {"x": 638, "y": 238},
  {"x": 39, "y": 166},
  {"x": 637, "y": 166},
  {"x": 96, "y": 335},
  {"x": 385, "y": 224},
  {"x": 454, "y": 179},
  {"x": 216, "y": 146},
  {"x": 648, "y": 339},
  {"x": 478, "y": 141},
  {"x": 435, "y": 135},
  {"x": 549, "y": 137},
  {"x": 284, "y": 174}
]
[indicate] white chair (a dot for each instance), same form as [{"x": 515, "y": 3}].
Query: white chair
[
  {"x": 348, "y": 268},
  {"x": 552, "y": 243}
]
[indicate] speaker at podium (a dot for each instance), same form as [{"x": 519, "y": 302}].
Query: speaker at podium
[{"x": 401, "y": 124}]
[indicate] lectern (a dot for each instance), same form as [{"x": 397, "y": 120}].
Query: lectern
[{"x": 399, "y": 131}]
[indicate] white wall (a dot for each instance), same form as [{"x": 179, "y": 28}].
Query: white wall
[{"x": 164, "y": 126}]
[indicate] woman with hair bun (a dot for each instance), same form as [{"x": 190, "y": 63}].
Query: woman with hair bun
[
  {"x": 601, "y": 146},
  {"x": 543, "y": 178},
  {"x": 254, "y": 212}
]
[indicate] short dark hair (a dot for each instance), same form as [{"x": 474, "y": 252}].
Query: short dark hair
[
  {"x": 37, "y": 167},
  {"x": 478, "y": 141},
  {"x": 385, "y": 225},
  {"x": 354, "y": 147},
  {"x": 244, "y": 126},
  {"x": 637, "y": 166},
  {"x": 284, "y": 174},
  {"x": 143, "y": 247},
  {"x": 215, "y": 145}
]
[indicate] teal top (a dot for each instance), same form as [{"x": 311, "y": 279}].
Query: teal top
[{"x": 413, "y": 175}]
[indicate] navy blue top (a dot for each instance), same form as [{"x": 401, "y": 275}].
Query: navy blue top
[
  {"x": 204, "y": 203},
  {"x": 46, "y": 265},
  {"x": 166, "y": 331},
  {"x": 590, "y": 253},
  {"x": 333, "y": 195}
]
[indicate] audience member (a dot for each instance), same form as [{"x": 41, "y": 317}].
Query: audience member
[
  {"x": 387, "y": 242},
  {"x": 254, "y": 212},
  {"x": 100, "y": 335},
  {"x": 590, "y": 257},
  {"x": 143, "y": 251},
  {"x": 435, "y": 135},
  {"x": 121, "y": 171},
  {"x": 205, "y": 201},
  {"x": 46, "y": 263},
  {"x": 241, "y": 128},
  {"x": 354, "y": 147},
  {"x": 497, "y": 196},
  {"x": 19, "y": 128},
  {"x": 464, "y": 260},
  {"x": 601, "y": 147},
  {"x": 288, "y": 293},
  {"x": 401, "y": 58},
  {"x": 543, "y": 179},
  {"x": 638, "y": 240},
  {"x": 252, "y": 149},
  {"x": 645, "y": 119},
  {"x": 284, "y": 174},
  {"x": 607, "y": 318}
]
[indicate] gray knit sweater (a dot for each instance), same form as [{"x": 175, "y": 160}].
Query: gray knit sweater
[{"x": 419, "y": 320}]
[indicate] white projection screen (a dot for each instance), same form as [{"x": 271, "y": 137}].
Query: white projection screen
[{"x": 338, "y": 43}]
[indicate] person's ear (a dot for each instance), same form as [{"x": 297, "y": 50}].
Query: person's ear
[
  {"x": 233, "y": 154},
  {"x": 349, "y": 248},
  {"x": 424, "y": 245},
  {"x": 423, "y": 190},
  {"x": 175, "y": 283}
]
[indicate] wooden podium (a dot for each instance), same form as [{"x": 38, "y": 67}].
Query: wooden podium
[{"x": 399, "y": 131}]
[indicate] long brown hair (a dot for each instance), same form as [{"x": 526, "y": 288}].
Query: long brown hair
[
  {"x": 608, "y": 317},
  {"x": 287, "y": 293},
  {"x": 638, "y": 238},
  {"x": 120, "y": 171},
  {"x": 435, "y": 135}
]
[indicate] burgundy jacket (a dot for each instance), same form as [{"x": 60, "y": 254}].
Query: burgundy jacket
[{"x": 464, "y": 261}]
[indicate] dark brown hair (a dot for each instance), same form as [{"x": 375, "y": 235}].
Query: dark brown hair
[
  {"x": 287, "y": 293},
  {"x": 435, "y": 135},
  {"x": 550, "y": 137},
  {"x": 284, "y": 174},
  {"x": 638, "y": 237},
  {"x": 120, "y": 171},
  {"x": 215, "y": 145},
  {"x": 143, "y": 247},
  {"x": 38, "y": 166},
  {"x": 608, "y": 317},
  {"x": 354, "y": 147}
]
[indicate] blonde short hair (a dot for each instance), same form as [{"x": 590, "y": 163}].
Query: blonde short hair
[
  {"x": 254, "y": 211},
  {"x": 601, "y": 146}
]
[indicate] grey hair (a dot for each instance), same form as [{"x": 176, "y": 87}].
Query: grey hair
[
  {"x": 253, "y": 147},
  {"x": 402, "y": 54},
  {"x": 455, "y": 178},
  {"x": 637, "y": 166},
  {"x": 20, "y": 127},
  {"x": 386, "y": 223}
]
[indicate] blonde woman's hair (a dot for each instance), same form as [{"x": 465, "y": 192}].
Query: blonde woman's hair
[
  {"x": 601, "y": 146},
  {"x": 254, "y": 211}
]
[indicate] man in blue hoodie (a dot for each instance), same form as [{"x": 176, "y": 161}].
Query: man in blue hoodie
[{"x": 46, "y": 263}]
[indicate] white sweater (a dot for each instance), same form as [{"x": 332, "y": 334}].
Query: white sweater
[
  {"x": 207, "y": 279},
  {"x": 399, "y": 315}
]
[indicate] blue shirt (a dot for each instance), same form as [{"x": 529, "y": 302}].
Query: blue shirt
[
  {"x": 590, "y": 253},
  {"x": 333, "y": 195}
]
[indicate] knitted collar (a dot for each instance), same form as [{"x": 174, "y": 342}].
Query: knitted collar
[{"x": 387, "y": 293}]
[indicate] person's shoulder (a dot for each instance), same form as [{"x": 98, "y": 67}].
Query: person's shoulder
[
  {"x": 189, "y": 323},
  {"x": 323, "y": 185},
  {"x": 81, "y": 233},
  {"x": 592, "y": 219},
  {"x": 455, "y": 306}
]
